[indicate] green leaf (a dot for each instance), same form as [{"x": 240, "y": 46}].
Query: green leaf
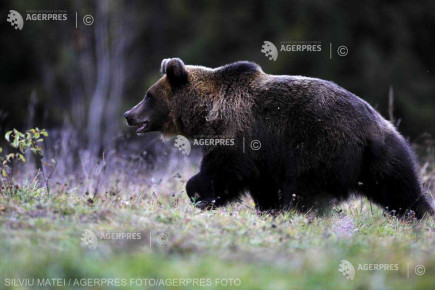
[
  {"x": 8, "y": 134},
  {"x": 4, "y": 173},
  {"x": 21, "y": 157}
]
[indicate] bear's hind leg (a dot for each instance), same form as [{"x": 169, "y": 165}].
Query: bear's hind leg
[
  {"x": 399, "y": 196},
  {"x": 391, "y": 178}
]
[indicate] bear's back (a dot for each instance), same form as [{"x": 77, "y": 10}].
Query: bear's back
[{"x": 316, "y": 109}]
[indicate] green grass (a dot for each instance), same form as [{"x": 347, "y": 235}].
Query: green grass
[{"x": 40, "y": 237}]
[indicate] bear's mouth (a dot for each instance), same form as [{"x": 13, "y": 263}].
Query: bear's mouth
[{"x": 142, "y": 127}]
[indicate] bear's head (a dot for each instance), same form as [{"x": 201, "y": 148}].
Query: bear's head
[
  {"x": 194, "y": 100},
  {"x": 153, "y": 113}
]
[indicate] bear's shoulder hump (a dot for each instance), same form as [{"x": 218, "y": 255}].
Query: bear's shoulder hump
[{"x": 240, "y": 67}]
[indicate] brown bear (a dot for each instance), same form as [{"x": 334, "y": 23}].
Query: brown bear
[{"x": 315, "y": 142}]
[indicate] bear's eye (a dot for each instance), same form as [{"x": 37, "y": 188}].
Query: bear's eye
[{"x": 148, "y": 96}]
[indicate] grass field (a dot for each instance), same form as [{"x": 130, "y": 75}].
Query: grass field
[{"x": 173, "y": 244}]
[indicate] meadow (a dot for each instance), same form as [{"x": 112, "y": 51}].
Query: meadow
[{"x": 124, "y": 221}]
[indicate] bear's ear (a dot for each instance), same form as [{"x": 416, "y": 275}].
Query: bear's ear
[{"x": 175, "y": 70}]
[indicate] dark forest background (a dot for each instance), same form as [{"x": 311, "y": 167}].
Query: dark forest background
[{"x": 53, "y": 75}]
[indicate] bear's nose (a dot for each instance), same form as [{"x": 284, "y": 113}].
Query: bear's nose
[{"x": 126, "y": 114}]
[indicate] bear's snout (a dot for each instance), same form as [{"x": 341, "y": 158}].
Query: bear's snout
[
  {"x": 142, "y": 124},
  {"x": 128, "y": 117}
]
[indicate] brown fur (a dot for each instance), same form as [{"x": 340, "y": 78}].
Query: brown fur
[
  {"x": 212, "y": 106},
  {"x": 318, "y": 141}
]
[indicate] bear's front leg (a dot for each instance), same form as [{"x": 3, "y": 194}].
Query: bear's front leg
[
  {"x": 201, "y": 191},
  {"x": 223, "y": 176}
]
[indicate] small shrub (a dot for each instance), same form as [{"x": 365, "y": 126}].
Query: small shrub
[{"x": 21, "y": 144}]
